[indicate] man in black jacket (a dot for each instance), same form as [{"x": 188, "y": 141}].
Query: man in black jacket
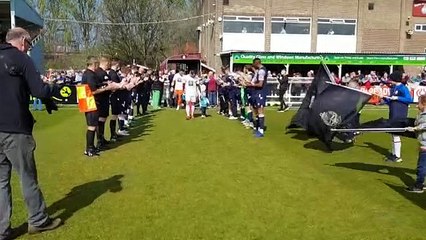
[
  {"x": 18, "y": 79},
  {"x": 282, "y": 89}
]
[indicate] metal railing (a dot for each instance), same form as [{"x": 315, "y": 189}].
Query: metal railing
[{"x": 295, "y": 93}]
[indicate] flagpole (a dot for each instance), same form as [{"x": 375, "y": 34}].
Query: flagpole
[{"x": 376, "y": 130}]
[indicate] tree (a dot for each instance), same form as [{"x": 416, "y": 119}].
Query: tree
[
  {"x": 84, "y": 11},
  {"x": 147, "y": 43}
]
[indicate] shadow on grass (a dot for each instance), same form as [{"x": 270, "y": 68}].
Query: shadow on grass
[
  {"x": 415, "y": 198},
  {"x": 401, "y": 173},
  {"x": 141, "y": 127},
  {"x": 303, "y": 135},
  {"x": 78, "y": 198},
  {"x": 320, "y": 146},
  {"x": 299, "y": 134},
  {"x": 379, "y": 149}
]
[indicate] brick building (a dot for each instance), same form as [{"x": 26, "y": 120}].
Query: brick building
[{"x": 382, "y": 32}]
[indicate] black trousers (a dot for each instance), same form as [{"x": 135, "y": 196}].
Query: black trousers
[
  {"x": 145, "y": 101},
  {"x": 223, "y": 104},
  {"x": 281, "y": 94}
]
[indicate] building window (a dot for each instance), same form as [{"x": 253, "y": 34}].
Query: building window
[
  {"x": 226, "y": 2},
  {"x": 371, "y": 6},
  {"x": 420, "y": 27},
  {"x": 291, "y": 25},
  {"x": 234, "y": 24},
  {"x": 336, "y": 26}
]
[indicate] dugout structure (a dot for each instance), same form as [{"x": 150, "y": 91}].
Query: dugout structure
[
  {"x": 19, "y": 13},
  {"x": 339, "y": 63}
]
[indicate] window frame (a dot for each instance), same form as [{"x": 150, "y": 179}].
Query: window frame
[
  {"x": 292, "y": 20},
  {"x": 338, "y": 21},
  {"x": 248, "y": 19},
  {"x": 420, "y": 26}
]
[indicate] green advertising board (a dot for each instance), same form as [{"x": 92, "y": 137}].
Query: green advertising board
[{"x": 337, "y": 59}]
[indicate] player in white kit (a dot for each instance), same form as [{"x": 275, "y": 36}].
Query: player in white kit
[
  {"x": 192, "y": 93},
  {"x": 177, "y": 84}
]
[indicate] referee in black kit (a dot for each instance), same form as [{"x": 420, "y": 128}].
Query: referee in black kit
[
  {"x": 103, "y": 100},
  {"x": 115, "y": 97},
  {"x": 98, "y": 88},
  {"x": 18, "y": 79}
]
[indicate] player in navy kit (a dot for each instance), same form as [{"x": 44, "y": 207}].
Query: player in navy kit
[{"x": 259, "y": 96}]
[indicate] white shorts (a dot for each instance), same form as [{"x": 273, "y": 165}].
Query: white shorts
[{"x": 191, "y": 98}]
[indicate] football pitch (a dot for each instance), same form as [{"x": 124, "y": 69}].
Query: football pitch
[{"x": 211, "y": 179}]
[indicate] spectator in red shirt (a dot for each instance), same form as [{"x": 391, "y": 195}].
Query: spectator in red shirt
[{"x": 212, "y": 89}]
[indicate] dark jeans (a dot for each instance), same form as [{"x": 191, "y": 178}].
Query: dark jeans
[
  {"x": 281, "y": 97},
  {"x": 204, "y": 111},
  {"x": 213, "y": 98},
  {"x": 421, "y": 169},
  {"x": 17, "y": 151},
  {"x": 223, "y": 104}
]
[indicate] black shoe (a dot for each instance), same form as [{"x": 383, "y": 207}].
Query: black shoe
[
  {"x": 50, "y": 224},
  {"x": 114, "y": 139},
  {"x": 415, "y": 189},
  {"x": 102, "y": 147},
  {"x": 105, "y": 142},
  {"x": 91, "y": 153},
  {"x": 393, "y": 158}
]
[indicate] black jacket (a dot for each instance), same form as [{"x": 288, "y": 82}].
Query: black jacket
[
  {"x": 157, "y": 85},
  {"x": 102, "y": 78},
  {"x": 18, "y": 80},
  {"x": 283, "y": 80}
]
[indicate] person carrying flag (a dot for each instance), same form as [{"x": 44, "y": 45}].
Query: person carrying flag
[
  {"x": 398, "y": 102},
  {"x": 420, "y": 129}
]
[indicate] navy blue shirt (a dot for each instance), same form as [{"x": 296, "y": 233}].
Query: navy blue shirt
[{"x": 398, "y": 109}]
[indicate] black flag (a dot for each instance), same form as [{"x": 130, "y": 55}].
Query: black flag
[
  {"x": 398, "y": 123},
  {"x": 328, "y": 105},
  {"x": 336, "y": 107},
  {"x": 319, "y": 84}
]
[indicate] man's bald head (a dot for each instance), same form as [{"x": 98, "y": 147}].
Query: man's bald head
[{"x": 19, "y": 38}]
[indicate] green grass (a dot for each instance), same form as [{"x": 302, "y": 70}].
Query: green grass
[{"x": 210, "y": 179}]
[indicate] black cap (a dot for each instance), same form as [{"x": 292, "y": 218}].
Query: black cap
[{"x": 396, "y": 76}]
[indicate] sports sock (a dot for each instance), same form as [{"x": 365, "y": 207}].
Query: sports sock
[
  {"x": 261, "y": 125},
  {"x": 192, "y": 107},
  {"x": 250, "y": 116},
  {"x": 188, "y": 110},
  {"x": 396, "y": 146},
  {"x": 90, "y": 140},
  {"x": 113, "y": 127},
  {"x": 101, "y": 131}
]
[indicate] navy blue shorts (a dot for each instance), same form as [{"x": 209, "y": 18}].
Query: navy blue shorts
[
  {"x": 249, "y": 96},
  {"x": 258, "y": 99},
  {"x": 115, "y": 104}
]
